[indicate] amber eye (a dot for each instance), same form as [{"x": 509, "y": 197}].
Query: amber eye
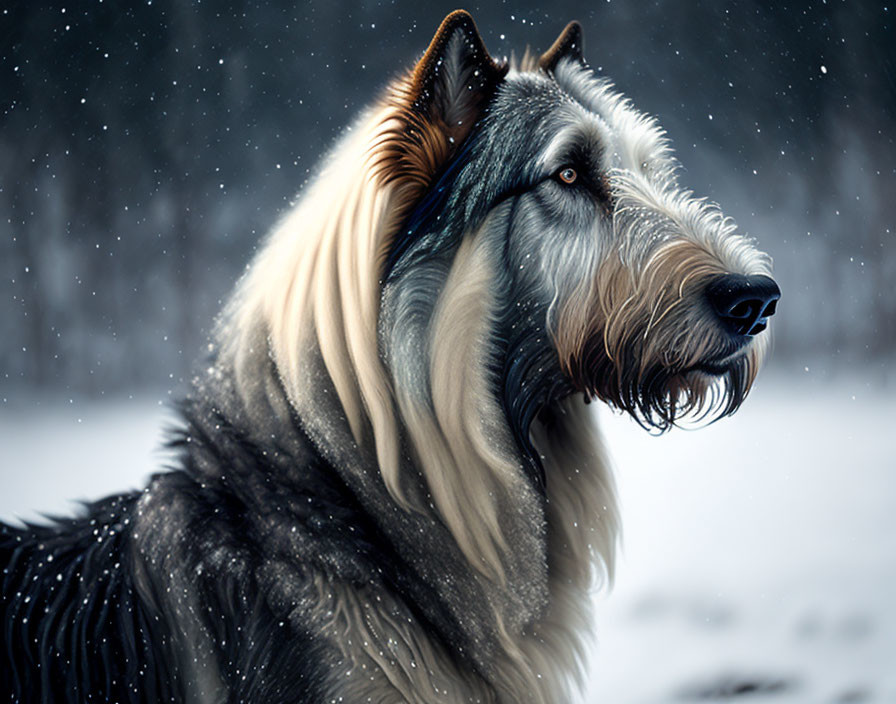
[{"x": 567, "y": 175}]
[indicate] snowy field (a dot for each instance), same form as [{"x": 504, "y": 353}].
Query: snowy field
[{"x": 759, "y": 561}]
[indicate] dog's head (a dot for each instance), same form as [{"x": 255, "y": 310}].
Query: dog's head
[{"x": 606, "y": 277}]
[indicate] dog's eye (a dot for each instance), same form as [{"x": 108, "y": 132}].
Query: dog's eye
[{"x": 567, "y": 175}]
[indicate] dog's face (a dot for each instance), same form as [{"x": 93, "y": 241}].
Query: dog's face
[
  {"x": 645, "y": 296},
  {"x": 648, "y": 296}
]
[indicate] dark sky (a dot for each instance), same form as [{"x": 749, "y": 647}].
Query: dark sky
[{"x": 144, "y": 151}]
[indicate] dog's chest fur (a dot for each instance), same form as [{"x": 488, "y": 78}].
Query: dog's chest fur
[{"x": 261, "y": 539}]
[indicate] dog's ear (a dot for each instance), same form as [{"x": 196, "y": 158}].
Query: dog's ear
[
  {"x": 567, "y": 45},
  {"x": 437, "y": 104},
  {"x": 456, "y": 77}
]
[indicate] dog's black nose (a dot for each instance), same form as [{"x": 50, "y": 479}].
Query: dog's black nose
[{"x": 744, "y": 303}]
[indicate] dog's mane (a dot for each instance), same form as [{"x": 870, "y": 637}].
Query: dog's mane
[
  {"x": 316, "y": 286},
  {"x": 314, "y": 292}
]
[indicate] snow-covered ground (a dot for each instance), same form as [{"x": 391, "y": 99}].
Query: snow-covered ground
[
  {"x": 759, "y": 557},
  {"x": 55, "y": 452},
  {"x": 759, "y": 560}
]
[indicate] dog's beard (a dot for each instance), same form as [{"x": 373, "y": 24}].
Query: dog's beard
[{"x": 659, "y": 394}]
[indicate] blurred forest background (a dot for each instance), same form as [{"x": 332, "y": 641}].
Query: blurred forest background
[{"x": 145, "y": 148}]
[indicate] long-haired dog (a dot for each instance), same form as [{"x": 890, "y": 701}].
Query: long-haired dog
[{"x": 389, "y": 488}]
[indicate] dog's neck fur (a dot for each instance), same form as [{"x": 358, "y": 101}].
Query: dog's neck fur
[
  {"x": 525, "y": 633},
  {"x": 462, "y": 611},
  {"x": 521, "y": 634},
  {"x": 501, "y": 564}
]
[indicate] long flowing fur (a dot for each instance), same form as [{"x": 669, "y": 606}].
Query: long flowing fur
[
  {"x": 315, "y": 290},
  {"x": 300, "y": 299}
]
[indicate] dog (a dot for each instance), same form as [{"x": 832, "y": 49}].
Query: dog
[{"x": 387, "y": 483}]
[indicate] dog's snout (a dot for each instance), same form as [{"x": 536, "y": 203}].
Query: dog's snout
[{"x": 744, "y": 303}]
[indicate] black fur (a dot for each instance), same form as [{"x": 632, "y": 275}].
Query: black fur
[{"x": 74, "y": 627}]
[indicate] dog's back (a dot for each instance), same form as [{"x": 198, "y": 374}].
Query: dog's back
[{"x": 74, "y": 626}]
